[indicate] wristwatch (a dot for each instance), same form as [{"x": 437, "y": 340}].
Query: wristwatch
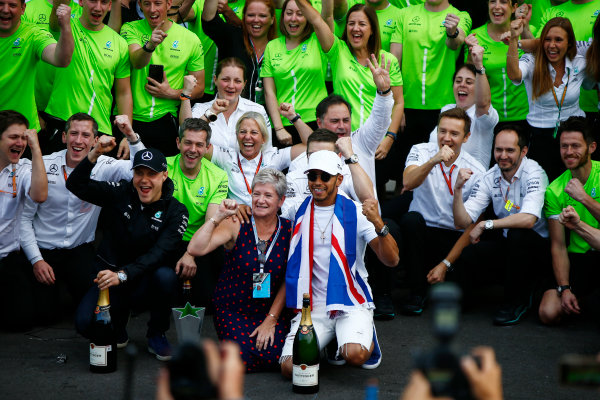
[
  {"x": 489, "y": 224},
  {"x": 480, "y": 71},
  {"x": 384, "y": 231},
  {"x": 211, "y": 116},
  {"x": 137, "y": 139},
  {"x": 448, "y": 265},
  {"x": 562, "y": 288},
  {"x": 352, "y": 160},
  {"x": 122, "y": 276}
]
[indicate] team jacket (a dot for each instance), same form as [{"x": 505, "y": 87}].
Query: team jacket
[{"x": 137, "y": 238}]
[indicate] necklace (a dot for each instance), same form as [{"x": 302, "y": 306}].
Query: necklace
[{"x": 323, "y": 230}]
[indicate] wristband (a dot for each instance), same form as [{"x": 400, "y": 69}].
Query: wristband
[
  {"x": 393, "y": 135},
  {"x": 278, "y": 129},
  {"x": 296, "y": 118},
  {"x": 454, "y": 35},
  {"x": 147, "y": 50},
  {"x": 137, "y": 139},
  {"x": 184, "y": 96},
  {"x": 384, "y": 92}
]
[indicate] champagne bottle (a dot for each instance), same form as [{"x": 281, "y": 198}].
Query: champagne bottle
[
  {"x": 306, "y": 354},
  {"x": 103, "y": 342},
  {"x": 187, "y": 292}
]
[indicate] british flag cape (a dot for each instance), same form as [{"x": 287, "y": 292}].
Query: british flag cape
[{"x": 346, "y": 289}]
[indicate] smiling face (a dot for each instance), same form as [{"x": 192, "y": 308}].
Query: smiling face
[
  {"x": 293, "y": 20},
  {"x": 192, "y": 147},
  {"x": 574, "y": 151},
  {"x": 10, "y": 16},
  {"x": 464, "y": 88},
  {"x": 93, "y": 12},
  {"x": 230, "y": 83},
  {"x": 324, "y": 193},
  {"x": 148, "y": 184},
  {"x": 556, "y": 44},
  {"x": 155, "y": 11},
  {"x": 12, "y": 144},
  {"x": 358, "y": 29},
  {"x": 258, "y": 19},
  {"x": 265, "y": 201},
  {"x": 337, "y": 119},
  {"x": 500, "y": 11},
  {"x": 507, "y": 153},
  {"x": 250, "y": 138},
  {"x": 79, "y": 140},
  {"x": 451, "y": 132}
]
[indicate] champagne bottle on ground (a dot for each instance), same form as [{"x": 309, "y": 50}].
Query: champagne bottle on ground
[
  {"x": 306, "y": 354},
  {"x": 187, "y": 292},
  {"x": 103, "y": 343}
]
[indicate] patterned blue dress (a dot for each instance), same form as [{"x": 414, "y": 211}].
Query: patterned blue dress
[{"x": 237, "y": 314}]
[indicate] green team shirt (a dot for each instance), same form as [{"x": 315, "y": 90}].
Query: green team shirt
[
  {"x": 209, "y": 187},
  {"x": 85, "y": 85},
  {"x": 556, "y": 199},
  {"x": 509, "y": 100},
  {"x": 208, "y": 47},
  {"x": 427, "y": 63},
  {"x": 21, "y": 52},
  {"x": 538, "y": 8},
  {"x": 355, "y": 83},
  {"x": 406, "y": 3},
  {"x": 180, "y": 53},
  {"x": 387, "y": 18},
  {"x": 582, "y": 17},
  {"x": 38, "y": 12},
  {"x": 299, "y": 74}
]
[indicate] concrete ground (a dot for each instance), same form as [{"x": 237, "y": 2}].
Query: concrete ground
[{"x": 528, "y": 354}]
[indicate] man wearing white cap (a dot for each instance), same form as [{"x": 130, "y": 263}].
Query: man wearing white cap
[{"x": 326, "y": 259}]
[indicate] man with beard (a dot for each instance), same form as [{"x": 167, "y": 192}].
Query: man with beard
[
  {"x": 575, "y": 266},
  {"x": 515, "y": 186}
]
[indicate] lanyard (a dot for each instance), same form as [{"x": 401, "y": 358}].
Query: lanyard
[
  {"x": 258, "y": 60},
  {"x": 448, "y": 178},
  {"x": 244, "y": 175},
  {"x": 65, "y": 173},
  {"x": 257, "y": 241},
  {"x": 561, "y": 102},
  {"x": 508, "y": 191},
  {"x": 14, "y": 183}
]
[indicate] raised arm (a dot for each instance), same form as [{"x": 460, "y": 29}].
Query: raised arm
[
  {"x": 322, "y": 29},
  {"x": 363, "y": 187},
  {"x": 283, "y": 135},
  {"x": 140, "y": 55},
  {"x": 462, "y": 219},
  {"x": 483, "y": 95},
  {"x": 512, "y": 56},
  {"x": 220, "y": 230},
  {"x": 576, "y": 190},
  {"x": 455, "y": 36},
  {"x": 571, "y": 220},
  {"x": 414, "y": 175},
  {"x": 115, "y": 17},
  {"x": 385, "y": 247},
  {"x": 210, "y": 10},
  {"x": 39, "y": 180},
  {"x": 60, "y": 54}
]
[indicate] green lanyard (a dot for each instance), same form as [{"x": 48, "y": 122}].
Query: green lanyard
[{"x": 561, "y": 103}]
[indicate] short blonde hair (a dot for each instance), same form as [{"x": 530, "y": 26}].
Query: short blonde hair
[{"x": 259, "y": 119}]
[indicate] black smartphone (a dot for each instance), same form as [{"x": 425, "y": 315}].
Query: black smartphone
[
  {"x": 580, "y": 370},
  {"x": 156, "y": 72}
]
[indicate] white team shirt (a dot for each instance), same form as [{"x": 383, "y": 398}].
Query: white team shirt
[
  {"x": 223, "y": 132},
  {"x": 525, "y": 192},
  {"x": 480, "y": 142},
  {"x": 227, "y": 160},
  {"x": 543, "y": 112},
  {"x": 433, "y": 199},
  {"x": 11, "y": 208},
  {"x": 64, "y": 221}
]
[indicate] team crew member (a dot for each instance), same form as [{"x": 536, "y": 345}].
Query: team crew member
[
  {"x": 427, "y": 51},
  {"x": 293, "y": 71},
  {"x": 158, "y": 40},
  {"x": 553, "y": 76},
  {"x": 472, "y": 93},
  {"x": 23, "y": 45},
  {"x": 571, "y": 220},
  {"x": 100, "y": 60},
  {"x": 146, "y": 226},
  {"x": 582, "y": 14},
  {"x": 515, "y": 187},
  {"x": 428, "y": 228},
  {"x": 327, "y": 219},
  {"x": 57, "y": 235},
  {"x": 38, "y": 13},
  {"x": 200, "y": 186},
  {"x": 387, "y": 16},
  {"x": 509, "y": 100},
  {"x": 19, "y": 179},
  {"x": 575, "y": 265}
]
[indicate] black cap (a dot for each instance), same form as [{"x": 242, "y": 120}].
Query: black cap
[{"x": 151, "y": 158}]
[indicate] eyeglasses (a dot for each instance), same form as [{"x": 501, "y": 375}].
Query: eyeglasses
[{"x": 325, "y": 176}]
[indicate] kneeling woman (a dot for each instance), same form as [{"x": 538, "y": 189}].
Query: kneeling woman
[{"x": 250, "y": 293}]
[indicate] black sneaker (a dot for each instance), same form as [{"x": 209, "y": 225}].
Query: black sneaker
[
  {"x": 414, "y": 305},
  {"x": 332, "y": 357},
  {"x": 384, "y": 307},
  {"x": 510, "y": 314}
]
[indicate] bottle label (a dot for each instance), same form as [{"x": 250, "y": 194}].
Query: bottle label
[
  {"x": 98, "y": 355},
  {"x": 305, "y": 375},
  {"x": 306, "y": 329}
]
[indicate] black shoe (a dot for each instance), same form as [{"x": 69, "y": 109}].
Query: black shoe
[
  {"x": 384, "y": 307},
  {"x": 510, "y": 314},
  {"x": 414, "y": 305}
]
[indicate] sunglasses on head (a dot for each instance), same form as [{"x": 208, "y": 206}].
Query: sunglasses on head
[{"x": 312, "y": 176}]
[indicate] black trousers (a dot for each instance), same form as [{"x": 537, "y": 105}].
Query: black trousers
[
  {"x": 15, "y": 305},
  {"x": 545, "y": 149},
  {"x": 159, "y": 134},
  {"x": 381, "y": 277}
]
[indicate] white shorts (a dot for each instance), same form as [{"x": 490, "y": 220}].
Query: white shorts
[{"x": 354, "y": 326}]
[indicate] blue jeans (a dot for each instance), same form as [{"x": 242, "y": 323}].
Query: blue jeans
[{"x": 154, "y": 291}]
